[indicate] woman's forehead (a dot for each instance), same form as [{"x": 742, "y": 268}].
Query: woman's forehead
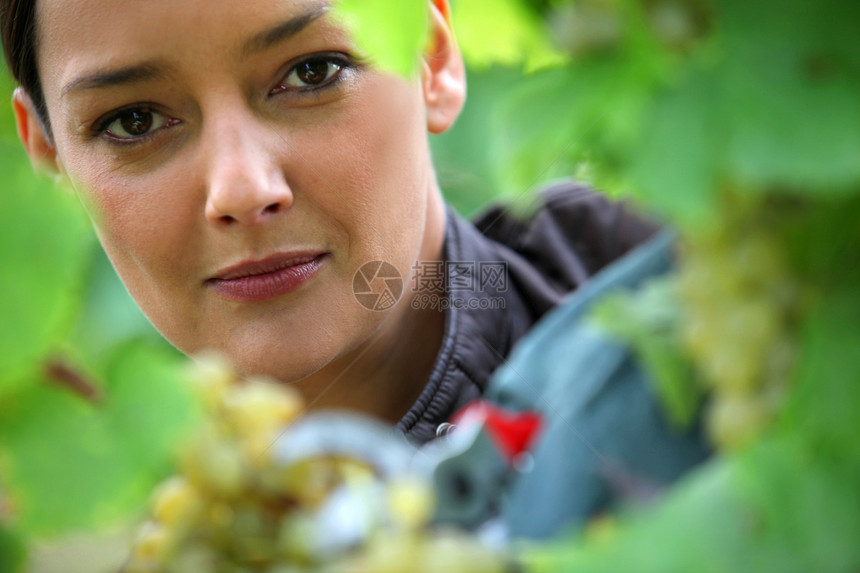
[{"x": 80, "y": 35}]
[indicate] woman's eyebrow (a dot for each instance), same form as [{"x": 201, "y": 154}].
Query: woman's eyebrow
[
  {"x": 283, "y": 31},
  {"x": 157, "y": 70},
  {"x": 122, "y": 76}
]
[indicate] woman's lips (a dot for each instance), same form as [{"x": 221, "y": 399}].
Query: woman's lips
[{"x": 271, "y": 277}]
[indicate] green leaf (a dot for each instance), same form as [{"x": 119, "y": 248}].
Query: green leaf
[
  {"x": 391, "y": 34},
  {"x": 108, "y": 317},
  {"x": 806, "y": 507},
  {"x": 649, "y": 320},
  {"x": 540, "y": 131},
  {"x": 773, "y": 509},
  {"x": 150, "y": 402},
  {"x": 75, "y": 465},
  {"x": 502, "y": 32},
  {"x": 790, "y": 95},
  {"x": 822, "y": 408},
  {"x": 63, "y": 467},
  {"x": 674, "y": 169},
  {"x": 549, "y": 122},
  {"x": 465, "y": 159},
  {"x": 44, "y": 244},
  {"x": 699, "y": 527},
  {"x": 588, "y": 112}
]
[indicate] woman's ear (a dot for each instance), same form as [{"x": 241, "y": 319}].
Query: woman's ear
[
  {"x": 444, "y": 74},
  {"x": 37, "y": 143}
]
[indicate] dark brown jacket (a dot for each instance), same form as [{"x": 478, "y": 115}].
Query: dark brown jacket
[{"x": 571, "y": 236}]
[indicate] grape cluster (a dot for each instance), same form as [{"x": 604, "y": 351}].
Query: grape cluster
[
  {"x": 236, "y": 507},
  {"x": 740, "y": 298}
]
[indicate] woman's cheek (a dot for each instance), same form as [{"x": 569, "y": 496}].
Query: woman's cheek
[
  {"x": 143, "y": 224},
  {"x": 391, "y": 149}
]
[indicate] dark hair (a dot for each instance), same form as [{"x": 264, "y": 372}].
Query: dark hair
[{"x": 18, "y": 27}]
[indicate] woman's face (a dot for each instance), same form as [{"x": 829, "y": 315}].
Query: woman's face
[{"x": 206, "y": 134}]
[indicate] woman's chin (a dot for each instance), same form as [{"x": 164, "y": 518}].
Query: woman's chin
[{"x": 283, "y": 370}]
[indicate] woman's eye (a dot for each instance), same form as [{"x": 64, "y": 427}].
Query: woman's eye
[
  {"x": 134, "y": 123},
  {"x": 313, "y": 73}
]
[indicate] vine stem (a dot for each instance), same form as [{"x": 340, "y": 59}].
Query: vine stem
[{"x": 61, "y": 373}]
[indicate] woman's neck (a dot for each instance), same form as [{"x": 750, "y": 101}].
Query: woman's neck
[{"x": 384, "y": 376}]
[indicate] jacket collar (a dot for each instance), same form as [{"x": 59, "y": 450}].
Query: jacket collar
[{"x": 479, "y": 303}]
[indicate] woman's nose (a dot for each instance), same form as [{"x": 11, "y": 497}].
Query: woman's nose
[{"x": 246, "y": 183}]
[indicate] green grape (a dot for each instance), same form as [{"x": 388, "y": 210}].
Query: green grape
[
  {"x": 175, "y": 501},
  {"x": 212, "y": 376},
  {"x": 193, "y": 559},
  {"x": 731, "y": 368},
  {"x": 151, "y": 549},
  {"x": 456, "y": 552},
  {"x": 695, "y": 333},
  {"x": 260, "y": 408},
  {"x": 295, "y": 538},
  {"x": 411, "y": 503},
  {"x": 740, "y": 298},
  {"x": 757, "y": 259},
  {"x": 252, "y": 535},
  {"x": 757, "y": 322},
  {"x": 779, "y": 361},
  {"x": 309, "y": 482},
  {"x": 735, "y": 419},
  {"x": 388, "y": 554},
  {"x": 740, "y": 337},
  {"x": 214, "y": 465},
  {"x": 255, "y": 450}
]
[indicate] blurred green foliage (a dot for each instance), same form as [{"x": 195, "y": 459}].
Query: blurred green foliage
[
  {"x": 45, "y": 240},
  {"x": 466, "y": 157},
  {"x": 650, "y": 321},
  {"x": 391, "y": 48},
  {"x": 74, "y": 465},
  {"x": 503, "y": 32}
]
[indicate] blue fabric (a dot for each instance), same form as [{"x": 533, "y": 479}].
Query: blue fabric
[{"x": 605, "y": 436}]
